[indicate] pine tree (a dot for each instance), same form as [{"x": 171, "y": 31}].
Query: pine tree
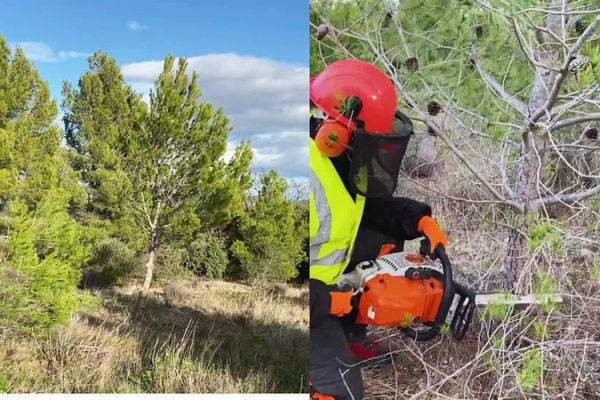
[
  {"x": 174, "y": 163},
  {"x": 494, "y": 91},
  {"x": 100, "y": 116},
  {"x": 41, "y": 248},
  {"x": 268, "y": 247},
  {"x": 154, "y": 173}
]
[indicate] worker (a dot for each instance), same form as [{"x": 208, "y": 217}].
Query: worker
[{"x": 357, "y": 142}]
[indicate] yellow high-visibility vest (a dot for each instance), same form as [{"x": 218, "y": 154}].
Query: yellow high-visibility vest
[{"x": 334, "y": 219}]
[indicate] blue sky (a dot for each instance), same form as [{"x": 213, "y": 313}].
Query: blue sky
[{"x": 252, "y": 57}]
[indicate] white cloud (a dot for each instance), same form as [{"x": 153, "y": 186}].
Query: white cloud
[
  {"x": 136, "y": 26},
  {"x": 267, "y": 101},
  {"x": 39, "y": 51}
]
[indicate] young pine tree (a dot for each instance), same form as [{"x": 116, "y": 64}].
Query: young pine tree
[
  {"x": 100, "y": 116},
  {"x": 41, "y": 250},
  {"x": 174, "y": 163},
  {"x": 154, "y": 173},
  {"x": 269, "y": 247}
]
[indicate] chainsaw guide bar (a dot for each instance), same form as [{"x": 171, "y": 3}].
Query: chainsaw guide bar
[{"x": 485, "y": 299}]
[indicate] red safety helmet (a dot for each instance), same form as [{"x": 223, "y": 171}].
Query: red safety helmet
[
  {"x": 335, "y": 91},
  {"x": 359, "y": 101}
]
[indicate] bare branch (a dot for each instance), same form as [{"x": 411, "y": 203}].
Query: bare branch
[
  {"x": 572, "y": 121},
  {"x": 547, "y": 11},
  {"x": 547, "y": 31},
  {"x": 572, "y": 21},
  {"x": 575, "y": 99},
  {"x": 527, "y": 51},
  {"x": 335, "y": 37},
  {"x": 585, "y": 35},
  {"x": 448, "y": 196},
  {"x": 461, "y": 156},
  {"x": 564, "y": 72},
  {"x": 438, "y": 131},
  {"x": 567, "y": 198},
  {"x": 500, "y": 90}
]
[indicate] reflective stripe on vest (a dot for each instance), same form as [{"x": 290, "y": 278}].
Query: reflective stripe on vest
[{"x": 334, "y": 219}]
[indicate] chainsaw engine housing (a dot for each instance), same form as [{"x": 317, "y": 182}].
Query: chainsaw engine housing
[{"x": 407, "y": 290}]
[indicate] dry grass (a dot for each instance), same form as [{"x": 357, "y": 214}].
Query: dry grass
[{"x": 204, "y": 337}]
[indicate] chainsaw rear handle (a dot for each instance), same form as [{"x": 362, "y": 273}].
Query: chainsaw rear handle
[{"x": 448, "y": 297}]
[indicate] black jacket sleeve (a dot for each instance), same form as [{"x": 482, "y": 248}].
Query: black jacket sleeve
[{"x": 397, "y": 217}]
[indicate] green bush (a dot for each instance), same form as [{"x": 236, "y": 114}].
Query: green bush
[
  {"x": 268, "y": 246},
  {"x": 499, "y": 310},
  {"x": 43, "y": 267},
  {"x": 170, "y": 264},
  {"x": 596, "y": 269},
  {"x": 115, "y": 260},
  {"x": 542, "y": 232},
  {"x": 4, "y": 384},
  {"x": 207, "y": 256},
  {"x": 267, "y": 263},
  {"x": 545, "y": 288}
]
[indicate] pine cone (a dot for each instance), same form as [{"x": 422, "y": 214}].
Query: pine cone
[
  {"x": 591, "y": 134},
  {"x": 412, "y": 64},
  {"x": 578, "y": 63},
  {"x": 580, "y": 27},
  {"x": 433, "y": 108},
  {"x": 322, "y": 31},
  {"x": 588, "y": 182}
]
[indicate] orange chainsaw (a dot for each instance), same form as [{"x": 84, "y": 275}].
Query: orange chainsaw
[{"x": 413, "y": 292}]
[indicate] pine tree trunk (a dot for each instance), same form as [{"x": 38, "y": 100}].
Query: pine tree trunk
[
  {"x": 150, "y": 263},
  {"x": 516, "y": 255},
  {"x": 516, "y": 251}
]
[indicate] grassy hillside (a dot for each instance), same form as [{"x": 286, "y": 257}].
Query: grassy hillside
[{"x": 206, "y": 336}]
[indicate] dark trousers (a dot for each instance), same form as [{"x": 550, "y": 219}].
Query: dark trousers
[
  {"x": 332, "y": 365},
  {"x": 333, "y": 369}
]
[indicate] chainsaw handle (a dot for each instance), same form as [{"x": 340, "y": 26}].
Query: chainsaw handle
[{"x": 448, "y": 297}]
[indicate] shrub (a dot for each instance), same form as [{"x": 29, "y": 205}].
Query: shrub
[
  {"x": 531, "y": 370},
  {"x": 268, "y": 246},
  {"x": 170, "y": 264},
  {"x": 498, "y": 311},
  {"x": 207, "y": 256},
  {"x": 596, "y": 269},
  {"x": 543, "y": 232},
  {"x": 115, "y": 260},
  {"x": 4, "y": 384},
  {"x": 544, "y": 289}
]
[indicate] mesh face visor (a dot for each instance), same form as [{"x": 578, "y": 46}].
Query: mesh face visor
[{"x": 377, "y": 158}]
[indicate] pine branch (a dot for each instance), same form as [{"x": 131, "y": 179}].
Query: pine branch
[
  {"x": 424, "y": 117},
  {"x": 572, "y": 121},
  {"x": 563, "y": 72},
  {"x": 566, "y": 198}
]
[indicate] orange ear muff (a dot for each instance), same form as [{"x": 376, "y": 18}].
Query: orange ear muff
[{"x": 332, "y": 138}]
